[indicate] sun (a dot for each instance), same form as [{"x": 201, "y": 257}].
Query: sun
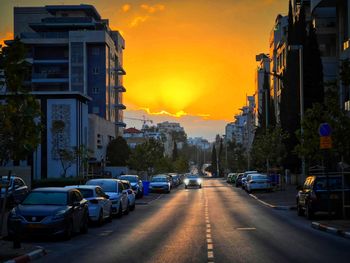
[{"x": 176, "y": 93}]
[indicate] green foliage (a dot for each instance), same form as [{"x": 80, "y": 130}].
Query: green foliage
[
  {"x": 181, "y": 165},
  {"x": 214, "y": 163},
  {"x": 236, "y": 157},
  {"x": 174, "y": 153},
  {"x": 269, "y": 147},
  {"x": 20, "y": 112},
  {"x": 145, "y": 156},
  {"x": 345, "y": 72},
  {"x": 118, "y": 152}
]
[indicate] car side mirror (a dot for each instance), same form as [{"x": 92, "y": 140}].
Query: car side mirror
[{"x": 129, "y": 191}]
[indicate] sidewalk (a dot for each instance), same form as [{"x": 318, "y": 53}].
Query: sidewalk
[
  {"x": 286, "y": 200},
  {"x": 280, "y": 199},
  {"x": 26, "y": 253}
]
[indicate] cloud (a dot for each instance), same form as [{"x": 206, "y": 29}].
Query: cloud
[
  {"x": 138, "y": 20},
  {"x": 8, "y": 35},
  {"x": 153, "y": 8},
  {"x": 126, "y": 8},
  {"x": 176, "y": 114},
  {"x": 149, "y": 9}
]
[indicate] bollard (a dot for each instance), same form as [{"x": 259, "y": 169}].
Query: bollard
[{"x": 17, "y": 233}]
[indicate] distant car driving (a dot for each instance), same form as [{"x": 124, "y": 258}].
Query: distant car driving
[{"x": 193, "y": 180}]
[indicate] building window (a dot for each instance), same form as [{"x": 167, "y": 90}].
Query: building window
[
  {"x": 95, "y": 71},
  {"x": 96, "y": 110},
  {"x": 95, "y": 90}
]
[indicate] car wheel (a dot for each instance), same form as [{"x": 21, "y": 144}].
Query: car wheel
[
  {"x": 308, "y": 212},
  {"x": 200, "y": 186},
  {"x": 100, "y": 218},
  {"x": 300, "y": 211},
  {"x": 68, "y": 231},
  {"x": 84, "y": 228},
  {"x": 185, "y": 186},
  {"x": 127, "y": 210},
  {"x": 120, "y": 211}
]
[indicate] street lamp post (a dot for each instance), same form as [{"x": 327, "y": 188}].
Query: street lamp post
[{"x": 301, "y": 90}]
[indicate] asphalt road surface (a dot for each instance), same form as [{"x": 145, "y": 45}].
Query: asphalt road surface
[{"x": 218, "y": 223}]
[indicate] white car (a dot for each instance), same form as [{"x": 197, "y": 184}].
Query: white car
[
  {"x": 160, "y": 183},
  {"x": 131, "y": 194},
  {"x": 114, "y": 188},
  {"x": 258, "y": 182},
  {"x": 100, "y": 207}
]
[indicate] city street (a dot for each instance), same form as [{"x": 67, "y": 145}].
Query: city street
[{"x": 218, "y": 223}]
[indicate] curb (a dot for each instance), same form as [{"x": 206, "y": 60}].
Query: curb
[
  {"x": 277, "y": 207},
  {"x": 36, "y": 254},
  {"x": 331, "y": 230}
]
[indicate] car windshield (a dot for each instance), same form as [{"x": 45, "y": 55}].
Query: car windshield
[
  {"x": 159, "y": 179},
  {"x": 46, "y": 198},
  {"x": 334, "y": 183},
  {"x": 126, "y": 186},
  {"x": 86, "y": 192},
  {"x": 107, "y": 186},
  {"x": 129, "y": 178}
]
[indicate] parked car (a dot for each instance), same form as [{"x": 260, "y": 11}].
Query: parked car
[
  {"x": 175, "y": 179},
  {"x": 17, "y": 190},
  {"x": 234, "y": 178},
  {"x": 100, "y": 207},
  {"x": 114, "y": 188},
  {"x": 136, "y": 184},
  {"x": 238, "y": 182},
  {"x": 313, "y": 196},
  {"x": 131, "y": 194},
  {"x": 51, "y": 211},
  {"x": 258, "y": 182},
  {"x": 228, "y": 178},
  {"x": 160, "y": 183},
  {"x": 193, "y": 180},
  {"x": 244, "y": 178}
]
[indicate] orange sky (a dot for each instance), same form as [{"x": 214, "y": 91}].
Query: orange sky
[{"x": 183, "y": 57}]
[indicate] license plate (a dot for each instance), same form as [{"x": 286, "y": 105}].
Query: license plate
[
  {"x": 34, "y": 226},
  {"x": 334, "y": 196}
]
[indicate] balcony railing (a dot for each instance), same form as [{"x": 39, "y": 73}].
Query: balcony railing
[
  {"x": 50, "y": 75},
  {"x": 39, "y": 35}
]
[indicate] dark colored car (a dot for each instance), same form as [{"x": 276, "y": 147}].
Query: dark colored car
[
  {"x": 313, "y": 196},
  {"x": 17, "y": 190},
  {"x": 51, "y": 211},
  {"x": 136, "y": 184},
  {"x": 238, "y": 182}
]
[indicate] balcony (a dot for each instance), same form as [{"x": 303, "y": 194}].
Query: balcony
[
  {"x": 120, "y": 106},
  {"x": 45, "y": 35},
  {"x": 120, "y": 88},
  {"x": 119, "y": 70},
  {"x": 120, "y": 124},
  {"x": 49, "y": 77}
]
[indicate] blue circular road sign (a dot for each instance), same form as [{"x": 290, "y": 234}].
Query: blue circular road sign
[{"x": 325, "y": 130}]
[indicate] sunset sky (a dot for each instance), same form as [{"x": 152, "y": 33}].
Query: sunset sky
[{"x": 188, "y": 61}]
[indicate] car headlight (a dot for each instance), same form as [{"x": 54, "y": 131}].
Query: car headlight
[
  {"x": 199, "y": 180},
  {"x": 186, "y": 181},
  {"x": 59, "y": 215},
  {"x": 13, "y": 212}
]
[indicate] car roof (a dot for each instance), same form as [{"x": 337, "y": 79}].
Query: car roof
[
  {"x": 52, "y": 189},
  {"x": 104, "y": 179},
  {"x": 133, "y": 175},
  {"x": 84, "y": 186}
]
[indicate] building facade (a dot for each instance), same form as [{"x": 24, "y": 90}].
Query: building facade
[{"x": 76, "y": 70}]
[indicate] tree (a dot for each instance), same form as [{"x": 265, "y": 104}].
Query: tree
[
  {"x": 20, "y": 111},
  {"x": 61, "y": 151},
  {"x": 117, "y": 152},
  {"x": 221, "y": 158},
  {"x": 214, "y": 163},
  {"x": 145, "y": 156},
  {"x": 236, "y": 157},
  {"x": 268, "y": 148},
  {"x": 175, "y": 154}
]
